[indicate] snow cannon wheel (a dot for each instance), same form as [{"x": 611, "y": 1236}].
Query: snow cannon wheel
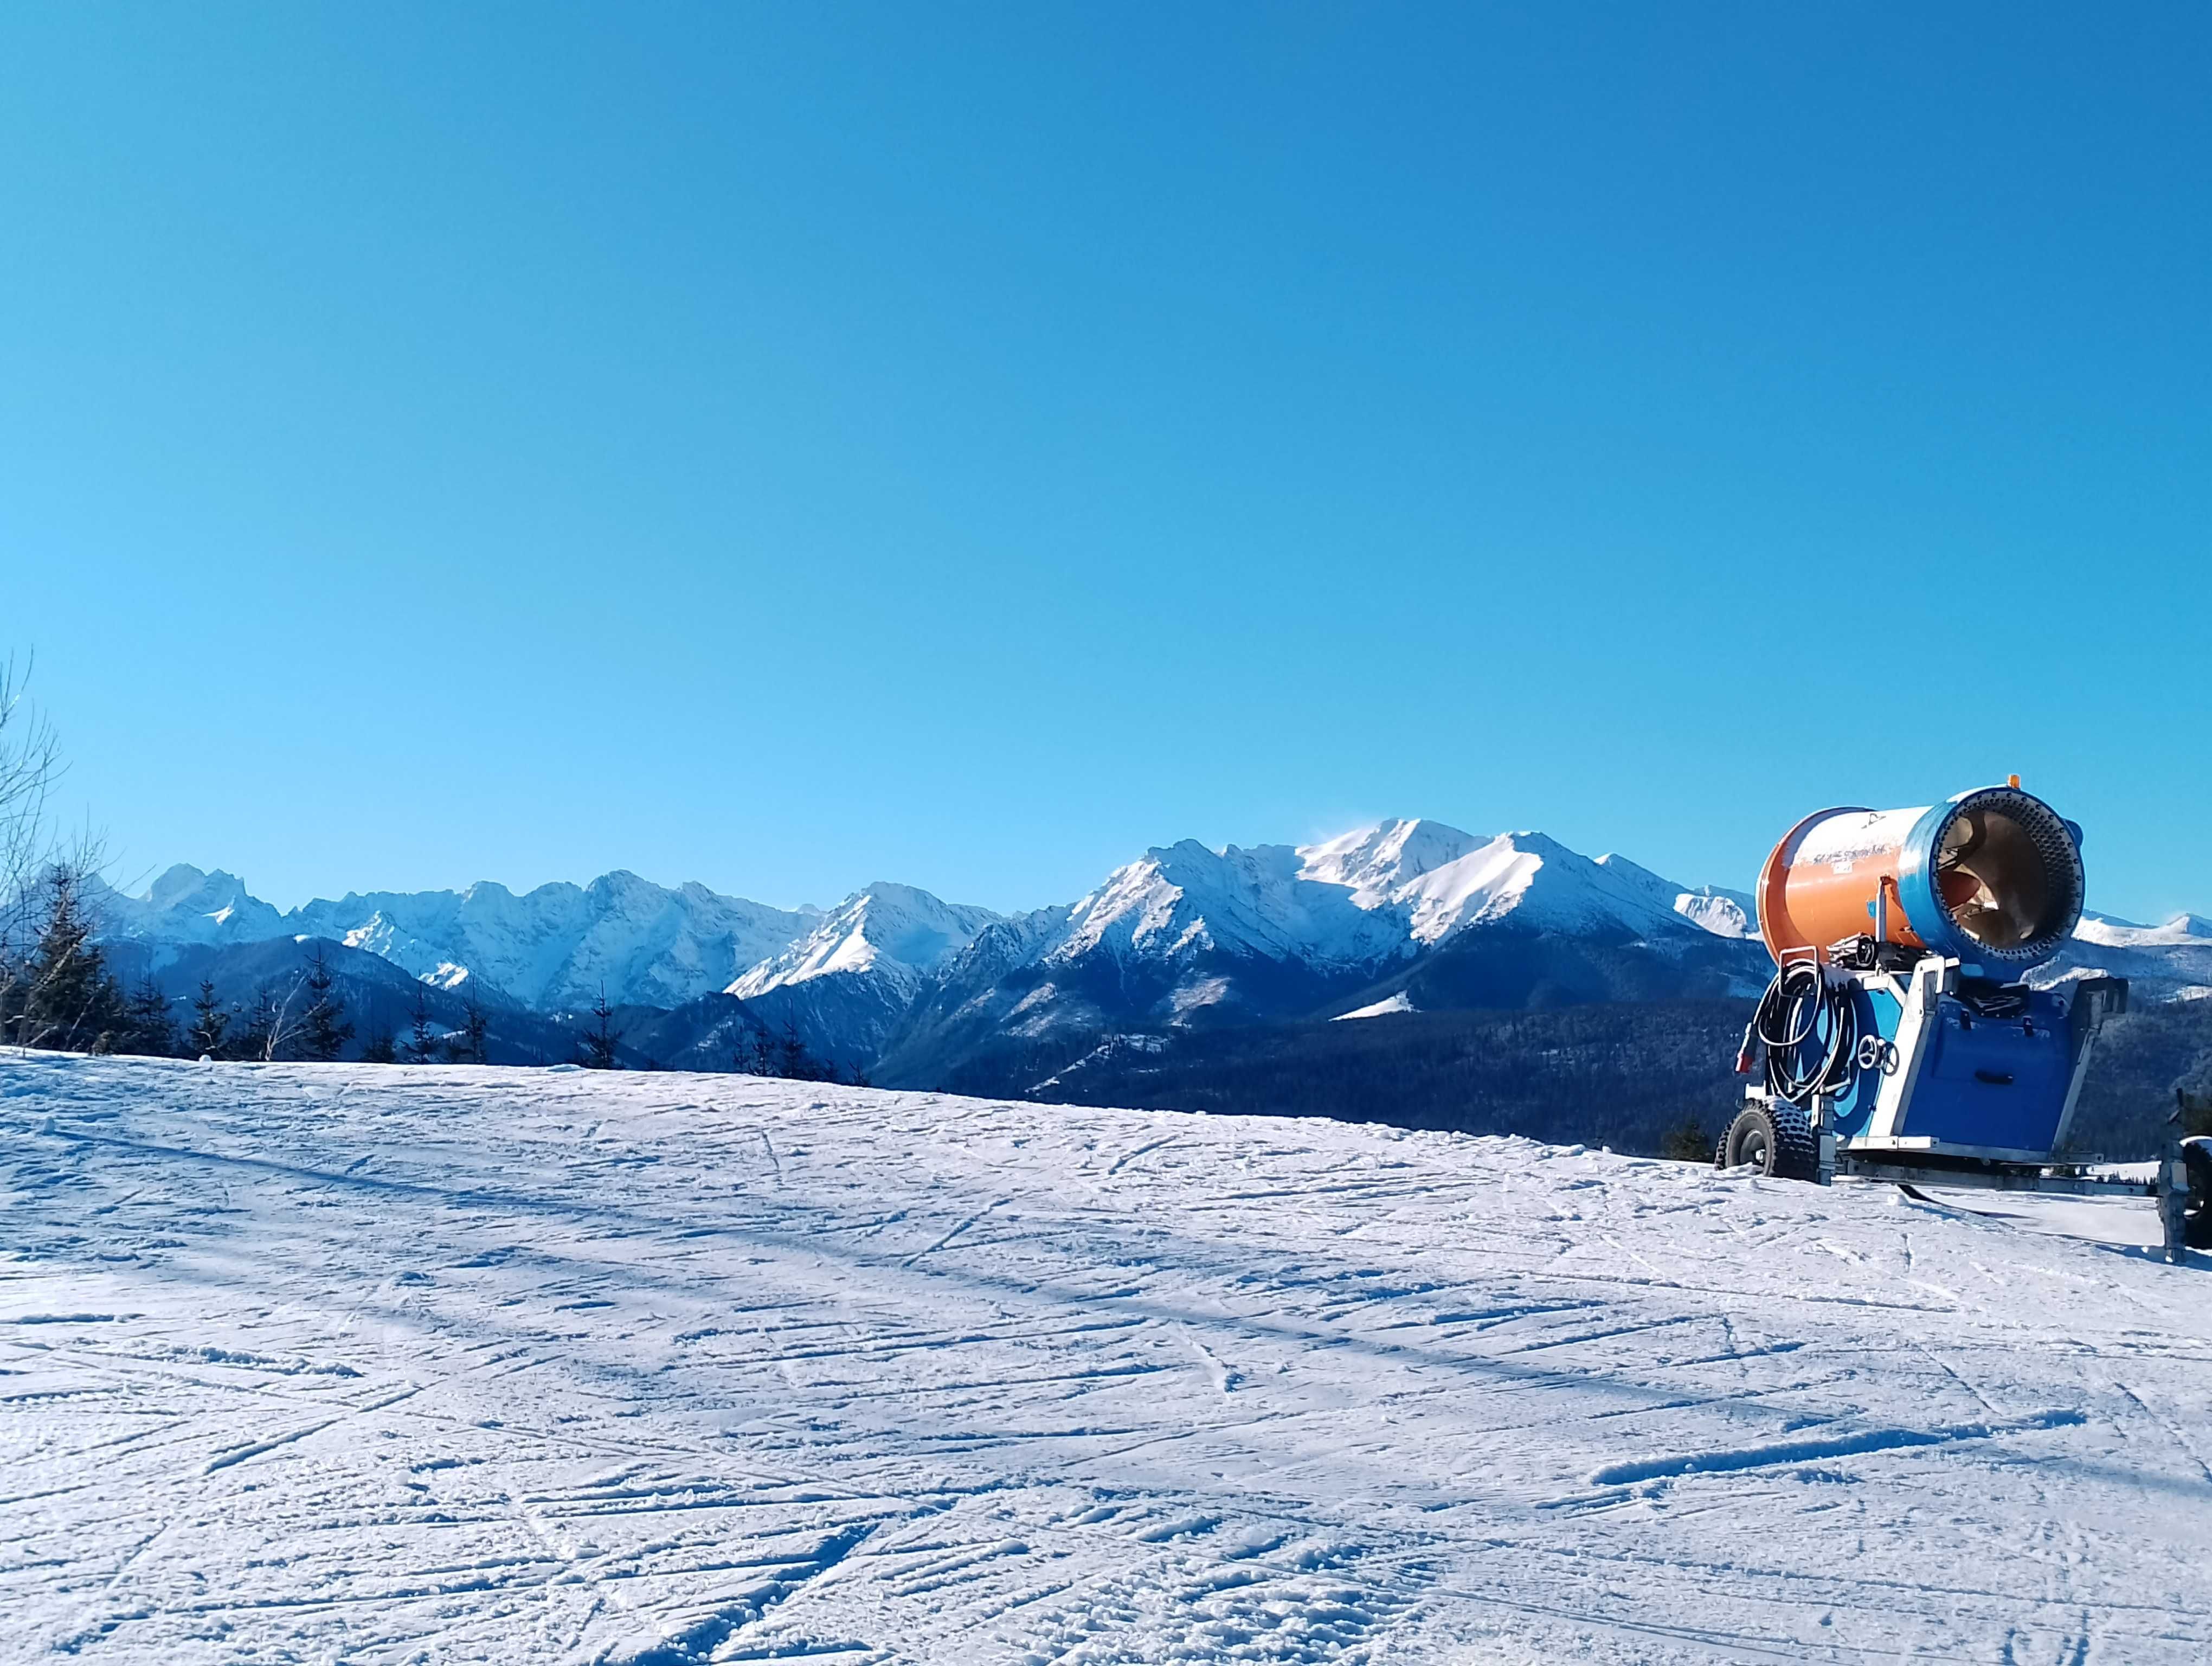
[
  {"x": 2196, "y": 1220},
  {"x": 1776, "y": 1138}
]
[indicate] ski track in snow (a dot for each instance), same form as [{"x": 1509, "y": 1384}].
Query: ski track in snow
[{"x": 332, "y": 1363}]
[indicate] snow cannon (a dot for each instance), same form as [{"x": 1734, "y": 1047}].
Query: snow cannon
[
  {"x": 1900, "y": 1028},
  {"x": 1992, "y": 876}
]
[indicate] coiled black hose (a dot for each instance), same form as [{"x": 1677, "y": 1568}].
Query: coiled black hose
[{"x": 1803, "y": 1015}]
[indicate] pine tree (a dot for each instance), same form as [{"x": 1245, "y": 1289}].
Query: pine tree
[
  {"x": 792, "y": 1059},
  {"x": 598, "y": 1041},
  {"x": 323, "y": 1033},
  {"x": 422, "y": 1035},
  {"x": 150, "y": 1030},
  {"x": 69, "y": 1000},
  {"x": 377, "y": 1048},
  {"x": 203, "y": 1039},
  {"x": 763, "y": 1054},
  {"x": 475, "y": 1026},
  {"x": 263, "y": 1028}
]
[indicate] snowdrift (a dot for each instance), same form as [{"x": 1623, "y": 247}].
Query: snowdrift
[{"x": 338, "y": 1362}]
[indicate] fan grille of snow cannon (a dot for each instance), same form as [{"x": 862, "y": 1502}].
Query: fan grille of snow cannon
[
  {"x": 1990, "y": 878},
  {"x": 2003, "y": 869}
]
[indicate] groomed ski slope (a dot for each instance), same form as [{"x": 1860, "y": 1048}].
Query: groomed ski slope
[{"x": 332, "y": 1363}]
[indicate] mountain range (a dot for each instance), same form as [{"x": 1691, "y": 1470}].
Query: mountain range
[{"x": 1403, "y": 916}]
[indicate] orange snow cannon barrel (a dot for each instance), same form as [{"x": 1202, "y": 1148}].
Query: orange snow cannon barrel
[{"x": 1991, "y": 877}]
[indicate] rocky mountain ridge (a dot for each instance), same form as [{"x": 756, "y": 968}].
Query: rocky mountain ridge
[{"x": 1404, "y": 915}]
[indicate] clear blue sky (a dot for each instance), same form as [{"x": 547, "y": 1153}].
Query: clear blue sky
[{"x": 790, "y": 445}]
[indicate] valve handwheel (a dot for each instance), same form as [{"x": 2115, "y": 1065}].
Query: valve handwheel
[{"x": 1877, "y": 1053}]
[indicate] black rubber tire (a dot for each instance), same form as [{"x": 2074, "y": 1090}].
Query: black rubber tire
[
  {"x": 2196, "y": 1220},
  {"x": 1776, "y": 1138}
]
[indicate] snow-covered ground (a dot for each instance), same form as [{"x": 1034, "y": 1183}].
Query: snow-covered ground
[{"x": 335, "y": 1363}]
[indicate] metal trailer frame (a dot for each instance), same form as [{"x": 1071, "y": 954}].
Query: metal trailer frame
[{"x": 1909, "y": 1168}]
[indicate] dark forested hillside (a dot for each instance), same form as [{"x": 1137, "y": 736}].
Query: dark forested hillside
[
  {"x": 1635, "y": 1075},
  {"x": 1629, "y": 1075},
  {"x": 2139, "y": 1058},
  {"x": 1625, "y": 1075},
  {"x": 379, "y": 999}
]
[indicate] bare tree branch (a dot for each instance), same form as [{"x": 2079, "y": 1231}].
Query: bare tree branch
[{"x": 30, "y": 764}]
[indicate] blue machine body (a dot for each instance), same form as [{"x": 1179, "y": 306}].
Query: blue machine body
[
  {"x": 1880, "y": 1013},
  {"x": 1985, "y": 1081}
]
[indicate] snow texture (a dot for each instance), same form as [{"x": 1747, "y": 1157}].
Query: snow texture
[{"x": 344, "y": 1362}]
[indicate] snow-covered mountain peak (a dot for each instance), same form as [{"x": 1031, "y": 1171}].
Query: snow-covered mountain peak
[
  {"x": 1636, "y": 874},
  {"x": 619, "y": 887},
  {"x": 187, "y": 905},
  {"x": 1380, "y": 858},
  {"x": 1186, "y": 899},
  {"x": 179, "y": 882},
  {"x": 1484, "y": 883},
  {"x": 1369, "y": 896},
  {"x": 2183, "y": 930},
  {"x": 899, "y": 932},
  {"x": 1441, "y": 880},
  {"x": 1722, "y": 912}
]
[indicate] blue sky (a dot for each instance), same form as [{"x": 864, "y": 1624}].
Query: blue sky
[{"x": 790, "y": 445}]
